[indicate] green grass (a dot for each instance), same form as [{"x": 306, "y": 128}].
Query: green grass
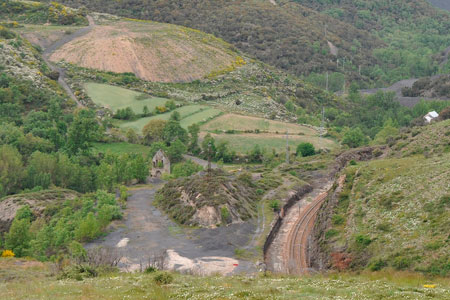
[
  {"x": 200, "y": 117},
  {"x": 20, "y": 279},
  {"x": 242, "y": 143},
  {"x": 190, "y": 114},
  {"x": 116, "y": 98},
  {"x": 121, "y": 148},
  {"x": 247, "y": 123}
]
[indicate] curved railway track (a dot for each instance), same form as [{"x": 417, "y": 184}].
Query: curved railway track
[{"x": 297, "y": 246}]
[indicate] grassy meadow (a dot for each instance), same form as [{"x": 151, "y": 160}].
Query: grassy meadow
[
  {"x": 22, "y": 279},
  {"x": 189, "y": 114},
  {"x": 116, "y": 98},
  {"x": 247, "y": 123},
  {"x": 121, "y": 148},
  {"x": 242, "y": 143}
]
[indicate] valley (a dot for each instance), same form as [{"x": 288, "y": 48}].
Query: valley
[{"x": 227, "y": 150}]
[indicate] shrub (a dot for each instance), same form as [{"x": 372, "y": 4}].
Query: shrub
[
  {"x": 338, "y": 220},
  {"x": 150, "y": 269},
  {"x": 163, "y": 278},
  {"x": 275, "y": 205},
  {"x": 377, "y": 264},
  {"x": 362, "y": 241},
  {"x": 305, "y": 149},
  {"x": 8, "y": 253},
  {"x": 402, "y": 263},
  {"x": 225, "y": 214},
  {"x": 331, "y": 233}
]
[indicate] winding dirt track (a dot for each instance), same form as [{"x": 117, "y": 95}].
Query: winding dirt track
[
  {"x": 62, "y": 74},
  {"x": 296, "y": 249}
]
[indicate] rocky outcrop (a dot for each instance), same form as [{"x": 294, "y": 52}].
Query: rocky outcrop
[
  {"x": 37, "y": 201},
  {"x": 208, "y": 200}
]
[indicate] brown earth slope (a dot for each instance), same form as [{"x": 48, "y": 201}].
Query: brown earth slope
[{"x": 153, "y": 51}]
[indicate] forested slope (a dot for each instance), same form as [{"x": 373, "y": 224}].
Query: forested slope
[{"x": 389, "y": 41}]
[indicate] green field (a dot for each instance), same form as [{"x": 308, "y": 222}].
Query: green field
[
  {"x": 190, "y": 114},
  {"x": 116, "y": 98},
  {"x": 247, "y": 123},
  {"x": 242, "y": 143},
  {"x": 121, "y": 148}
]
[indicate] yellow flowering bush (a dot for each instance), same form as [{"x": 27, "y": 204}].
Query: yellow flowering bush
[{"x": 8, "y": 253}]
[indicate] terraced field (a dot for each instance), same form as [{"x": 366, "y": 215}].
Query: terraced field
[
  {"x": 190, "y": 114},
  {"x": 242, "y": 143},
  {"x": 116, "y": 98},
  {"x": 247, "y": 123}
]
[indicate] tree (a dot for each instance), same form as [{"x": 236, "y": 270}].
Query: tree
[
  {"x": 140, "y": 168},
  {"x": 18, "y": 237},
  {"x": 82, "y": 132},
  {"x": 305, "y": 149},
  {"x": 389, "y": 130},
  {"x": 154, "y": 131},
  {"x": 193, "y": 147},
  {"x": 132, "y": 137},
  {"x": 173, "y": 131},
  {"x": 256, "y": 155},
  {"x": 176, "y": 150},
  {"x": 11, "y": 170},
  {"x": 354, "y": 138},
  {"x": 170, "y": 105},
  {"x": 145, "y": 111},
  {"x": 175, "y": 116},
  {"x": 208, "y": 147}
]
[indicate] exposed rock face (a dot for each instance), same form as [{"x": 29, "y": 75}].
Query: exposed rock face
[{"x": 37, "y": 201}]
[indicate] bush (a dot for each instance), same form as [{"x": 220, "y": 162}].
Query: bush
[
  {"x": 8, "y": 253},
  {"x": 338, "y": 220},
  {"x": 362, "y": 241},
  {"x": 150, "y": 269},
  {"x": 163, "y": 278},
  {"x": 305, "y": 149},
  {"x": 402, "y": 263},
  {"x": 377, "y": 264},
  {"x": 275, "y": 205},
  {"x": 331, "y": 233}
]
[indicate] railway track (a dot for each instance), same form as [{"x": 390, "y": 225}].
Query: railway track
[{"x": 297, "y": 248}]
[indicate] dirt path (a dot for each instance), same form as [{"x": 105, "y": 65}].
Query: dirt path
[
  {"x": 62, "y": 74},
  {"x": 145, "y": 232},
  {"x": 199, "y": 161}
]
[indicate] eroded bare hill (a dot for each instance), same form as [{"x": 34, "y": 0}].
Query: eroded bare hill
[{"x": 153, "y": 51}]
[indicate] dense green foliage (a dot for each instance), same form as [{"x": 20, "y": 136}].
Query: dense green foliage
[
  {"x": 305, "y": 149},
  {"x": 413, "y": 31},
  {"x": 41, "y": 13},
  {"x": 60, "y": 226}
]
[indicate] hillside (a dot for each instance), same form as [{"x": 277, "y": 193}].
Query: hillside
[
  {"x": 285, "y": 35},
  {"x": 393, "y": 212},
  {"x": 152, "y": 51},
  {"x": 294, "y": 35}
]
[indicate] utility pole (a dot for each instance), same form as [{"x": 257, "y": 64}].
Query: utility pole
[
  {"x": 327, "y": 82},
  {"x": 209, "y": 159},
  {"x": 287, "y": 147},
  {"x": 322, "y": 126}
]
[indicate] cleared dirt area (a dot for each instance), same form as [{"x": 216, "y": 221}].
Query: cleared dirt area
[
  {"x": 146, "y": 232},
  {"x": 153, "y": 51}
]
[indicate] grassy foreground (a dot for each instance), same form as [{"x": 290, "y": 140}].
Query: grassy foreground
[{"x": 20, "y": 279}]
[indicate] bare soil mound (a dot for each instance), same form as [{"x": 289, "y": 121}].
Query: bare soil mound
[{"x": 152, "y": 51}]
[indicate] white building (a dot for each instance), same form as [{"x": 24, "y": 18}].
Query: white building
[{"x": 431, "y": 116}]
